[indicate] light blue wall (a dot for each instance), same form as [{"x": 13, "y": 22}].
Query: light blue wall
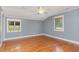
[
  {"x": 29, "y": 27},
  {"x": 0, "y": 22},
  {"x": 71, "y": 26},
  {"x": 0, "y": 27}
]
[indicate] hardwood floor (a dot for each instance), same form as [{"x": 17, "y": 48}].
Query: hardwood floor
[{"x": 38, "y": 44}]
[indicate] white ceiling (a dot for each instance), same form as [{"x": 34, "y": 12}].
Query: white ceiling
[{"x": 29, "y": 12}]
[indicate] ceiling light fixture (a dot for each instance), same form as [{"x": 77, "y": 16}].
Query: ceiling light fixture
[{"x": 41, "y": 10}]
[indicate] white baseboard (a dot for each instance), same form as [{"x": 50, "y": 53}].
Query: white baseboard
[
  {"x": 23, "y": 36},
  {"x": 71, "y": 41}
]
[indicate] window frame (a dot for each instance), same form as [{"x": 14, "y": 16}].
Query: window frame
[
  {"x": 10, "y": 19},
  {"x": 62, "y": 28}
]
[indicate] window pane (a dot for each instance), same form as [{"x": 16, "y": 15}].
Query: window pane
[
  {"x": 17, "y": 26},
  {"x": 17, "y": 23},
  {"x": 11, "y": 26},
  {"x": 58, "y": 22},
  {"x": 11, "y": 23}
]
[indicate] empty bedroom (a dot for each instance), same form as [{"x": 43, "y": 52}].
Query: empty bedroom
[{"x": 39, "y": 28}]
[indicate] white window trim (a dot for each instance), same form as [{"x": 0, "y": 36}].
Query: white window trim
[
  {"x": 62, "y": 29},
  {"x": 10, "y": 19}
]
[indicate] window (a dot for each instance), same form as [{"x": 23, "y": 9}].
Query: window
[
  {"x": 59, "y": 23},
  {"x": 13, "y": 25}
]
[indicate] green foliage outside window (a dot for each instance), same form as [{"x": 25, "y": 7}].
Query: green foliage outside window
[
  {"x": 11, "y": 28},
  {"x": 58, "y": 22}
]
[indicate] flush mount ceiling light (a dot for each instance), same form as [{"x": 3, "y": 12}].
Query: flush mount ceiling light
[{"x": 41, "y": 10}]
